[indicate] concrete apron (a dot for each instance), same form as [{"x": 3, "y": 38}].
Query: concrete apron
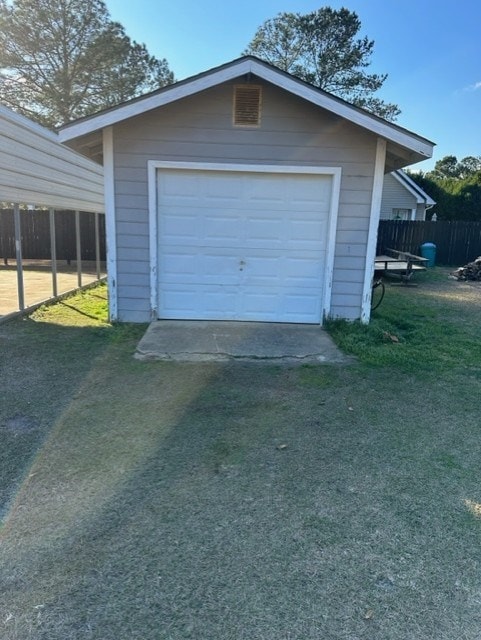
[{"x": 207, "y": 341}]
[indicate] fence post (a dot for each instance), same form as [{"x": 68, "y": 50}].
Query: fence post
[
  {"x": 18, "y": 257},
  {"x": 78, "y": 248},
  {"x": 53, "y": 252}
]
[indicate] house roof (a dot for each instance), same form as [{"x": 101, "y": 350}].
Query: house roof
[
  {"x": 404, "y": 147},
  {"x": 421, "y": 196}
]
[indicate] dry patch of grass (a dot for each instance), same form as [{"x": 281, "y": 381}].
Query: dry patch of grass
[{"x": 233, "y": 501}]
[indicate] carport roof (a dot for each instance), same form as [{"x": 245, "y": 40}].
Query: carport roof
[
  {"x": 35, "y": 168},
  {"x": 404, "y": 147}
]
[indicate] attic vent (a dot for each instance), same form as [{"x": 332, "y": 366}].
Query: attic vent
[{"x": 247, "y": 105}]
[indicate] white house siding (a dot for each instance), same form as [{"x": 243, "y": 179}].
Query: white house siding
[
  {"x": 36, "y": 169},
  {"x": 199, "y": 129},
  {"x": 420, "y": 212},
  {"x": 396, "y": 196}
]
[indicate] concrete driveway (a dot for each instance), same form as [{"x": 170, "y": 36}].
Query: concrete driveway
[{"x": 198, "y": 340}]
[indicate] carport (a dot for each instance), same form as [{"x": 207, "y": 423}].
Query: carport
[{"x": 51, "y": 216}]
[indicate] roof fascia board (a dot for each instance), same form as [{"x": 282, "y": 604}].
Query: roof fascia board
[
  {"x": 408, "y": 187},
  {"x": 421, "y": 196},
  {"x": 176, "y": 92},
  {"x": 22, "y": 121},
  {"x": 344, "y": 110},
  {"x": 264, "y": 71},
  {"x": 408, "y": 180}
]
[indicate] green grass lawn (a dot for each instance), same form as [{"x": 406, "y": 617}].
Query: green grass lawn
[{"x": 235, "y": 501}]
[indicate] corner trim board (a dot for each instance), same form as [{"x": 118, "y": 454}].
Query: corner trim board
[
  {"x": 373, "y": 228},
  {"x": 110, "y": 224},
  {"x": 153, "y": 231}
]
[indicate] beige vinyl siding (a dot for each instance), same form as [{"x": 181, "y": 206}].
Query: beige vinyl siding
[
  {"x": 395, "y": 196},
  {"x": 36, "y": 169},
  {"x": 200, "y": 129}
]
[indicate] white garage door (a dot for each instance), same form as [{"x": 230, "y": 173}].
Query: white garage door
[{"x": 242, "y": 246}]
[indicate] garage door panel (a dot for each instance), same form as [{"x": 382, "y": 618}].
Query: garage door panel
[
  {"x": 263, "y": 230},
  {"x": 289, "y": 271},
  {"x": 219, "y": 186},
  {"x": 222, "y": 268},
  {"x": 214, "y": 302},
  {"x": 300, "y": 307},
  {"x": 306, "y": 234},
  {"x": 277, "y": 307},
  {"x": 196, "y": 267},
  {"x": 299, "y": 268},
  {"x": 178, "y": 266},
  {"x": 221, "y": 229},
  {"x": 179, "y": 226},
  {"x": 196, "y": 302},
  {"x": 256, "y": 230},
  {"x": 248, "y": 246},
  {"x": 177, "y": 186}
]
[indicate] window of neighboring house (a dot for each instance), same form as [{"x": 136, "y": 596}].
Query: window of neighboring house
[{"x": 401, "y": 214}]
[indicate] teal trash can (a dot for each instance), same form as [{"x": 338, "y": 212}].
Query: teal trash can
[{"x": 428, "y": 250}]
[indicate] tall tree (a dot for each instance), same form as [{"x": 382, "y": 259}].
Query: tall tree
[
  {"x": 450, "y": 167},
  {"x": 455, "y": 186},
  {"x": 63, "y": 59},
  {"x": 447, "y": 167},
  {"x": 322, "y": 48}
]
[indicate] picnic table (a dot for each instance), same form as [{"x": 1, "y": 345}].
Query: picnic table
[{"x": 399, "y": 263}]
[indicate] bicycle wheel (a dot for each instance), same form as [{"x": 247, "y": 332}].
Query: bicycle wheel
[{"x": 377, "y": 295}]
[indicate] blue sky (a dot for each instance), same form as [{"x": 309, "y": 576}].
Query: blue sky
[{"x": 430, "y": 49}]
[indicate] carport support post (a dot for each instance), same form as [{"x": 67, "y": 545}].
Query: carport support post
[
  {"x": 18, "y": 256},
  {"x": 97, "y": 245},
  {"x": 53, "y": 252},
  {"x": 3, "y": 242},
  {"x": 78, "y": 248}
]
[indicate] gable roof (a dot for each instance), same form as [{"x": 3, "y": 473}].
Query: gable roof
[
  {"x": 417, "y": 148},
  {"x": 421, "y": 196}
]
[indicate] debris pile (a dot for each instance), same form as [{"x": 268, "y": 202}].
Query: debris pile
[{"x": 471, "y": 271}]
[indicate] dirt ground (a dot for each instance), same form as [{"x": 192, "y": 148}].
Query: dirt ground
[{"x": 37, "y": 282}]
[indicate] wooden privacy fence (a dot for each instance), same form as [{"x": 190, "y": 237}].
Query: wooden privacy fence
[
  {"x": 35, "y": 233},
  {"x": 457, "y": 242}
]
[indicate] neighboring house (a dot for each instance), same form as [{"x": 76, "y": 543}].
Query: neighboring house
[
  {"x": 36, "y": 169},
  {"x": 242, "y": 193},
  {"x": 403, "y": 199}
]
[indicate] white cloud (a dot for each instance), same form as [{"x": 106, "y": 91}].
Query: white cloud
[{"x": 473, "y": 87}]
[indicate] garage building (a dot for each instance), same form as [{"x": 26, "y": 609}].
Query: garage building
[{"x": 242, "y": 193}]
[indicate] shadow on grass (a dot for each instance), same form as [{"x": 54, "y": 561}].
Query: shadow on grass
[
  {"x": 77, "y": 310},
  {"x": 150, "y": 505},
  {"x": 232, "y": 501},
  {"x": 42, "y": 366}
]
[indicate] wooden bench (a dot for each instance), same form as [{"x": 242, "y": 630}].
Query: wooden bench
[{"x": 399, "y": 263}]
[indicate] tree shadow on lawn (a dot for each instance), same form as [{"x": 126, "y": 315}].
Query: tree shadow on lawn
[
  {"x": 42, "y": 366},
  {"x": 238, "y": 501}
]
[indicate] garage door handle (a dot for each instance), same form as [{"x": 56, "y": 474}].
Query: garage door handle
[{"x": 241, "y": 265}]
